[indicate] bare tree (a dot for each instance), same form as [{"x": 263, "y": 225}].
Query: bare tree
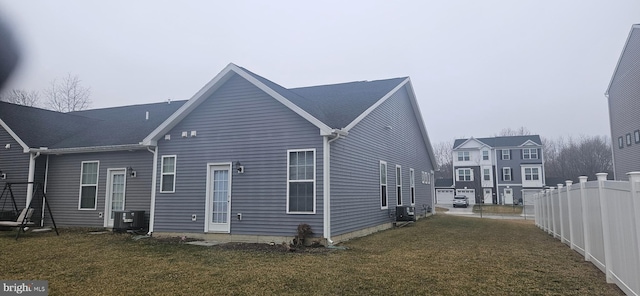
[
  {"x": 21, "y": 97},
  {"x": 68, "y": 95},
  {"x": 506, "y": 132},
  {"x": 444, "y": 158},
  {"x": 586, "y": 156}
]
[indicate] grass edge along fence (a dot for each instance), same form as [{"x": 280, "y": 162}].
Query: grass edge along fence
[{"x": 600, "y": 220}]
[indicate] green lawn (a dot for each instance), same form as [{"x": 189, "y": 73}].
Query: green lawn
[{"x": 440, "y": 255}]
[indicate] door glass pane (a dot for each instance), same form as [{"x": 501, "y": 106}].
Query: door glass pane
[
  {"x": 220, "y": 196},
  {"x": 117, "y": 193}
]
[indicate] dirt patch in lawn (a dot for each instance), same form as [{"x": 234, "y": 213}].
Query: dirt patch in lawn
[{"x": 272, "y": 248}]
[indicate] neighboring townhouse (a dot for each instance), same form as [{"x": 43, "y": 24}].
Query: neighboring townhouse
[
  {"x": 623, "y": 96},
  {"x": 243, "y": 160},
  {"x": 498, "y": 170},
  {"x": 444, "y": 191}
]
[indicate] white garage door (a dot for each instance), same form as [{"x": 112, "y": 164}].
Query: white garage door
[
  {"x": 444, "y": 196},
  {"x": 470, "y": 193}
]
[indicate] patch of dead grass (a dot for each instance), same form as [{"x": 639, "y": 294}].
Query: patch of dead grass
[{"x": 441, "y": 255}]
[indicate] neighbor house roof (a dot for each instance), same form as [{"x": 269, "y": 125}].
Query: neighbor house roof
[
  {"x": 444, "y": 183},
  {"x": 509, "y": 141},
  {"x": 127, "y": 125}
]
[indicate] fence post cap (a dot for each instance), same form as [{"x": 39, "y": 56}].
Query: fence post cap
[
  {"x": 568, "y": 182},
  {"x": 560, "y": 186},
  {"x": 583, "y": 179},
  {"x": 602, "y": 176}
]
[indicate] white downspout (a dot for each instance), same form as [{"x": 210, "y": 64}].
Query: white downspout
[
  {"x": 31, "y": 177},
  {"x": 326, "y": 181},
  {"x": 154, "y": 174},
  {"x": 46, "y": 177}
]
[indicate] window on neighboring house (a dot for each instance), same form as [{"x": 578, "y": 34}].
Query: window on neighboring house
[
  {"x": 383, "y": 184},
  {"x": 465, "y": 175},
  {"x": 301, "y": 181},
  {"x": 487, "y": 174},
  {"x": 636, "y": 135},
  {"x": 506, "y": 154},
  {"x": 620, "y": 143},
  {"x": 463, "y": 155},
  {"x": 88, "y": 185},
  {"x": 485, "y": 155},
  {"x": 506, "y": 174},
  {"x": 399, "y": 184},
  {"x": 412, "y": 185},
  {"x": 531, "y": 174},
  {"x": 628, "y": 136},
  {"x": 530, "y": 153},
  {"x": 168, "y": 174}
]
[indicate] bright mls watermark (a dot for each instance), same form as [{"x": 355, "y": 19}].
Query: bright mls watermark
[{"x": 24, "y": 288}]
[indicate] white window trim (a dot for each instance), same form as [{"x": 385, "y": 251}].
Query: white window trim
[
  {"x": 162, "y": 173},
  {"x": 314, "y": 180},
  {"x": 398, "y": 186},
  {"x": 470, "y": 175},
  {"x": 386, "y": 187},
  {"x": 464, "y": 156},
  {"x": 507, "y": 155},
  {"x": 95, "y": 203},
  {"x": 531, "y": 152},
  {"x": 483, "y": 174},
  {"x": 487, "y": 152},
  {"x": 412, "y": 186},
  {"x": 532, "y": 174},
  {"x": 507, "y": 169}
]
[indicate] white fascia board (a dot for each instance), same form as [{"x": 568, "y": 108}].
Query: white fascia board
[
  {"x": 72, "y": 150},
  {"x": 24, "y": 146},
  {"x": 624, "y": 48},
  {"x": 284, "y": 101},
  {"x": 528, "y": 143},
  {"x": 210, "y": 88},
  {"x": 192, "y": 103},
  {"x": 482, "y": 144}
]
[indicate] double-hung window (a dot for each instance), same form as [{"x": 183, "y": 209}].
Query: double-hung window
[
  {"x": 412, "y": 184},
  {"x": 531, "y": 174},
  {"x": 506, "y": 154},
  {"x": 88, "y": 185},
  {"x": 399, "y": 184},
  {"x": 463, "y": 156},
  {"x": 301, "y": 197},
  {"x": 383, "y": 185},
  {"x": 465, "y": 175},
  {"x": 530, "y": 153},
  {"x": 168, "y": 174},
  {"x": 506, "y": 174},
  {"x": 487, "y": 174},
  {"x": 485, "y": 155}
]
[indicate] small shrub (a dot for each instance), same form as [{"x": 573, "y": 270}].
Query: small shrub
[{"x": 304, "y": 232}]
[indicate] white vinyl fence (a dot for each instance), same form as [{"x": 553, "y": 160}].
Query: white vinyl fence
[{"x": 600, "y": 220}]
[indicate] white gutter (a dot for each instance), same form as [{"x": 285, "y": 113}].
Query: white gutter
[
  {"x": 107, "y": 148},
  {"x": 154, "y": 174},
  {"x": 31, "y": 177},
  {"x": 326, "y": 181}
]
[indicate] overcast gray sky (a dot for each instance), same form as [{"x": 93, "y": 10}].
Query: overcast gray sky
[{"x": 476, "y": 66}]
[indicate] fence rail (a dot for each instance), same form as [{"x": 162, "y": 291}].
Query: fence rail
[{"x": 600, "y": 220}]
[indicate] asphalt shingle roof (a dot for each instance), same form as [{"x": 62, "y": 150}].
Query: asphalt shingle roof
[
  {"x": 510, "y": 141},
  {"x": 336, "y": 105},
  {"x": 89, "y": 128}
]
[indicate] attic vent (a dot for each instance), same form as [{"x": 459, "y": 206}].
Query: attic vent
[
  {"x": 167, "y": 137},
  {"x": 146, "y": 115}
]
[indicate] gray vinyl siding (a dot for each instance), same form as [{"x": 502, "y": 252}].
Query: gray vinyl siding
[
  {"x": 624, "y": 108},
  {"x": 63, "y": 185},
  {"x": 475, "y": 184},
  {"x": 239, "y": 122},
  {"x": 355, "y": 178},
  {"x": 15, "y": 163}
]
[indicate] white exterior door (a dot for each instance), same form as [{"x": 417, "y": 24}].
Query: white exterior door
[
  {"x": 487, "y": 196},
  {"x": 508, "y": 196},
  {"x": 218, "y": 199},
  {"x": 116, "y": 188}
]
